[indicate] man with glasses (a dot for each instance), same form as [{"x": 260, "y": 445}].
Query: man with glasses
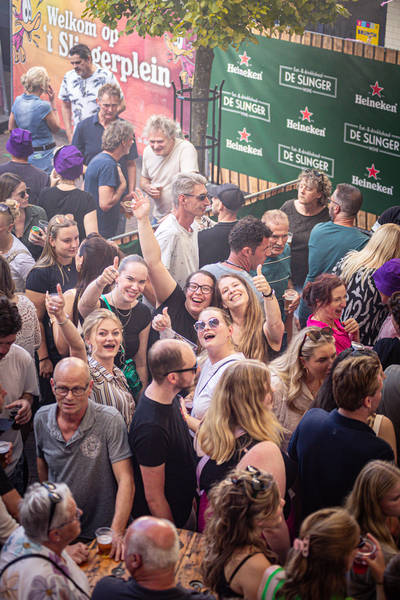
[
  {"x": 329, "y": 242},
  {"x": 163, "y": 457},
  {"x": 85, "y": 445},
  {"x": 177, "y": 234}
]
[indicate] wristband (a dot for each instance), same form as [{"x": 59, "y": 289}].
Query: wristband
[
  {"x": 63, "y": 323},
  {"x": 45, "y": 358},
  {"x": 272, "y": 293}
]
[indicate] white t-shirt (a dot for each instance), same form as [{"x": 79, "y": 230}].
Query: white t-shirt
[
  {"x": 17, "y": 376},
  {"x": 209, "y": 377},
  {"x": 162, "y": 169},
  {"x": 21, "y": 264},
  {"x": 82, "y": 93},
  {"x": 179, "y": 248}
]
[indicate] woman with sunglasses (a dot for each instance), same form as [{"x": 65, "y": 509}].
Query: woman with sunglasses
[
  {"x": 298, "y": 374},
  {"x": 176, "y": 310},
  {"x": 13, "y": 187},
  {"x": 242, "y": 507},
  {"x": 327, "y": 297},
  {"x": 50, "y": 521},
  {"x": 15, "y": 253},
  {"x": 214, "y": 330},
  {"x": 375, "y": 504},
  {"x": 240, "y": 429}
]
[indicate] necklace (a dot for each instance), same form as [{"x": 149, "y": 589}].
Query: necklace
[
  {"x": 120, "y": 314},
  {"x": 315, "y": 389},
  {"x": 228, "y": 262}
]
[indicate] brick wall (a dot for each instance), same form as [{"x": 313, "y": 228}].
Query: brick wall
[{"x": 392, "y": 37}]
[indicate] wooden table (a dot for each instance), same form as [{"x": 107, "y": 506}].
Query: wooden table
[{"x": 187, "y": 571}]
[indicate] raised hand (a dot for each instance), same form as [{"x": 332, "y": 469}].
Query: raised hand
[
  {"x": 141, "y": 205},
  {"x": 261, "y": 283}
]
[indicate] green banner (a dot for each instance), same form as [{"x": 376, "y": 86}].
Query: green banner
[{"x": 288, "y": 107}]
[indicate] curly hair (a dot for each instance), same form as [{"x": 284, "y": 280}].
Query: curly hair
[
  {"x": 248, "y": 232},
  {"x": 321, "y": 289},
  {"x": 354, "y": 379},
  {"x": 13, "y": 213},
  {"x": 318, "y": 180},
  {"x": 333, "y": 534},
  {"x": 36, "y": 77},
  {"x": 10, "y": 319},
  {"x": 168, "y": 127},
  {"x": 238, "y": 402},
  {"x": 117, "y": 132},
  {"x": 376, "y": 479},
  {"x": 233, "y": 513},
  {"x": 394, "y": 306}
]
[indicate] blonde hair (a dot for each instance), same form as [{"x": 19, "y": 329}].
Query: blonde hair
[
  {"x": 383, "y": 246},
  {"x": 34, "y": 78},
  {"x": 238, "y": 402},
  {"x": 49, "y": 256},
  {"x": 252, "y": 341},
  {"x": 289, "y": 368},
  {"x": 233, "y": 513},
  {"x": 375, "y": 480},
  {"x": 92, "y": 322},
  {"x": 318, "y": 180},
  {"x": 332, "y": 534},
  {"x": 13, "y": 214}
]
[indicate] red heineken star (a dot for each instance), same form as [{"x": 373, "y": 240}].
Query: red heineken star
[
  {"x": 306, "y": 114},
  {"x": 244, "y": 59},
  {"x": 376, "y": 89},
  {"x": 372, "y": 172},
  {"x": 244, "y": 135}
]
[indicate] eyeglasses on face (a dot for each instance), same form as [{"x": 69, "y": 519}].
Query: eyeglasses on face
[
  {"x": 205, "y": 289},
  {"x": 182, "y": 370},
  {"x": 25, "y": 192},
  {"x": 202, "y": 197},
  {"x": 77, "y": 517},
  {"x": 54, "y": 497},
  {"x": 315, "y": 335},
  {"x": 76, "y": 391},
  {"x": 5, "y": 208},
  {"x": 201, "y": 325}
]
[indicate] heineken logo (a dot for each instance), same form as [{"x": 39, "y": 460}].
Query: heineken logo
[
  {"x": 244, "y": 136},
  {"x": 376, "y": 90},
  {"x": 245, "y": 105},
  {"x": 305, "y": 159},
  {"x": 244, "y": 72},
  {"x": 306, "y": 114},
  {"x": 308, "y": 81},
  {"x": 244, "y": 59},
  {"x": 372, "y": 172},
  {"x": 375, "y": 103},
  {"x": 303, "y": 127},
  {"x": 375, "y": 186},
  {"x": 372, "y": 139}
]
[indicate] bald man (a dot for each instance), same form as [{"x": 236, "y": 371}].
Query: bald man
[
  {"x": 151, "y": 554},
  {"x": 85, "y": 445}
]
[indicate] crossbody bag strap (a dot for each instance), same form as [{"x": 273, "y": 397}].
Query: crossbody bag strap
[
  {"x": 48, "y": 560},
  {"x": 106, "y": 302}
]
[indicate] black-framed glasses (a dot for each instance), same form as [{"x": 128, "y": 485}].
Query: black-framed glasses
[
  {"x": 182, "y": 370},
  {"x": 77, "y": 517},
  {"x": 202, "y": 197},
  {"x": 54, "y": 497},
  {"x": 315, "y": 335},
  {"x": 256, "y": 484},
  {"x": 205, "y": 289},
  {"x": 4, "y": 208},
  {"x": 201, "y": 325},
  {"x": 25, "y": 192},
  {"x": 78, "y": 392}
]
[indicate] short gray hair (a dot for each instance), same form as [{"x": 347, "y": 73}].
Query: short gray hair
[
  {"x": 35, "y": 507},
  {"x": 153, "y": 557},
  {"x": 274, "y": 216},
  {"x": 183, "y": 183},
  {"x": 167, "y": 126},
  {"x": 117, "y": 132}
]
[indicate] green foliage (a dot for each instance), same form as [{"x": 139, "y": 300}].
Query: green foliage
[{"x": 217, "y": 23}]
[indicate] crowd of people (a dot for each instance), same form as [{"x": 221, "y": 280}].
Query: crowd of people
[{"x": 226, "y": 381}]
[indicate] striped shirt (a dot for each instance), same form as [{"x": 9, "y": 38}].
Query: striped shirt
[{"x": 111, "y": 389}]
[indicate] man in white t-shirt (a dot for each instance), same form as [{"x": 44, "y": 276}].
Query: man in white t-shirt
[
  {"x": 164, "y": 157},
  {"x": 18, "y": 379},
  {"x": 79, "y": 88},
  {"x": 177, "y": 234}
]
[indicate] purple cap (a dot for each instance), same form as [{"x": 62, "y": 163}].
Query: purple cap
[
  {"x": 19, "y": 143},
  {"x": 387, "y": 277},
  {"x": 68, "y": 162},
  {"x": 229, "y": 194}
]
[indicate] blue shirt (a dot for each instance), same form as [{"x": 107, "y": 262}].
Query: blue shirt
[
  {"x": 103, "y": 170},
  {"x": 87, "y": 138}
]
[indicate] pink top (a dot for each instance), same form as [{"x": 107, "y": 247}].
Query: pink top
[
  {"x": 387, "y": 330},
  {"x": 342, "y": 339}
]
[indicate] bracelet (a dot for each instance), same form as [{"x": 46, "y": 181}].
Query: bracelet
[
  {"x": 98, "y": 285},
  {"x": 63, "y": 323},
  {"x": 186, "y": 417},
  {"x": 54, "y": 108},
  {"x": 45, "y": 358},
  {"x": 270, "y": 295}
]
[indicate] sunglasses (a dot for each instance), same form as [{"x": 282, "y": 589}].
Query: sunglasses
[
  {"x": 5, "y": 208},
  {"x": 315, "y": 335},
  {"x": 182, "y": 370},
  {"x": 55, "y": 499},
  {"x": 202, "y": 197},
  {"x": 201, "y": 325},
  {"x": 24, "y": 193},
  {"x": 313, "y": 172},
  {"x": 256, "y": 484}
]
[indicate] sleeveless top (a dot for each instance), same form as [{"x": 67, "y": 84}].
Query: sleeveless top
[
  {"x": 223, "y": 588},
  {"x": 275, "y": 581}
]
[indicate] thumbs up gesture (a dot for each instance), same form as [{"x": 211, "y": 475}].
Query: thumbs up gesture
[
  {"x": 261, "y": 284},
  {"x": 109, "y": 275},
  {"x": 161, "y": 322}
]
